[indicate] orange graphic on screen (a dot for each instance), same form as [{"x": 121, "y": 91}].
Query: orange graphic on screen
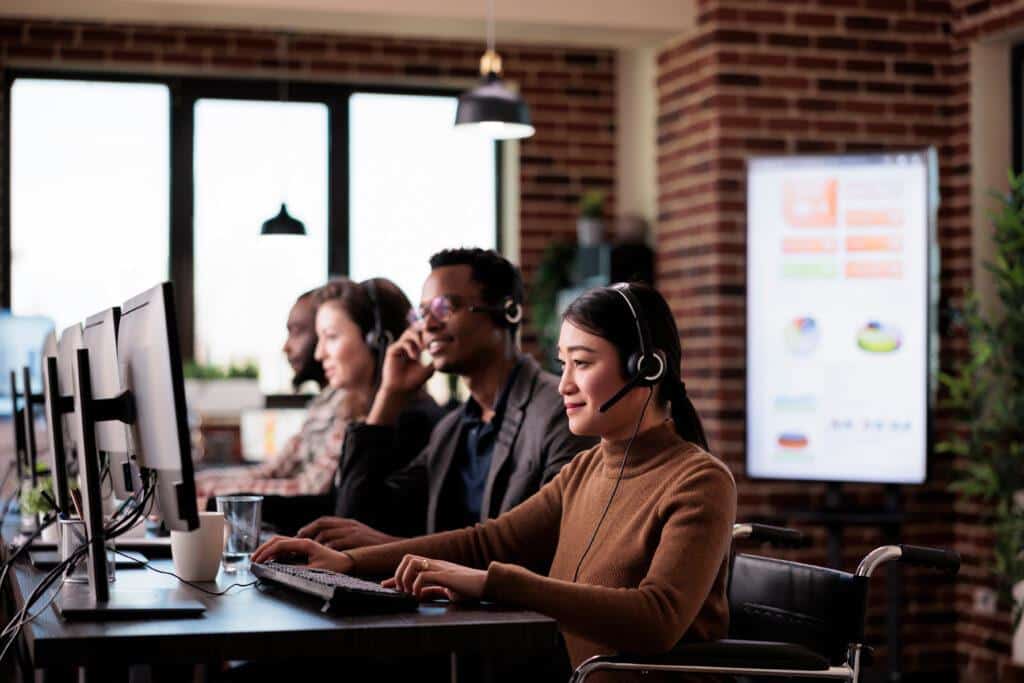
[
  {"x": 874, "y": 218},
  {"x": 808, "y": 245},
  {"x": 874, "y": 269},
  {"x": 874, "y": 243},
  {"x": 810, "y": 203}
]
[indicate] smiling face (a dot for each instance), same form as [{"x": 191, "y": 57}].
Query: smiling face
[
  {"x": 466, "y": 341},
  {"x": 591, "y": 374},
  {"x": 341, "y": 349}
]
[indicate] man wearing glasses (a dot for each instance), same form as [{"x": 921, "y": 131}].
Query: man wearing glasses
[{"x": 488, "y": 455}]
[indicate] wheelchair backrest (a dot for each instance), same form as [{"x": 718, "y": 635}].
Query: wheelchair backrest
[{"x": 781, "y": 601}]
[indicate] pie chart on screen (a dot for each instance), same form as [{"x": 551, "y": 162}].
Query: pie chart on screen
[
  {"x": 802, "y": 336},
  {"x": 878, "y": 337}
]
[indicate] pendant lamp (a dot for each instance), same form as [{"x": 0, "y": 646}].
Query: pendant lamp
[
  {"x": 283, "y": 223},
  {"x": 490, "y": 108}
]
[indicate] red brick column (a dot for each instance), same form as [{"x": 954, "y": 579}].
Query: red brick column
[{"x": 818, "y": 76}]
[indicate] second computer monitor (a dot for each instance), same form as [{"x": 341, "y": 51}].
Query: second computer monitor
[
  {"x": 70, "y": 342},
  {"x": 100, "y": 338},
  {"x": 150, "y": 360}
]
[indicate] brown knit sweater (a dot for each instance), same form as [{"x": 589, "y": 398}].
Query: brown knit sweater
[{"x": 655, "y": 573}]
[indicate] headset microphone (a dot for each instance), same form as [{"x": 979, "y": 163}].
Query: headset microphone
[{"x": 617, "y": 396}]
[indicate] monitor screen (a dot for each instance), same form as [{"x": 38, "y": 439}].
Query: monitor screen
[
  {"x": 840, "y": 298},
  {"x": 150, "y": 362},
  {"x": 99, "y": 335},
  {"x": 21, "y": 344},
  {"x": 70, "y": 342}
]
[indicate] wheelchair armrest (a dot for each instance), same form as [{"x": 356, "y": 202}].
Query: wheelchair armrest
[
  {"x": 778, "y": 536},
  {"x": 720, "y": 653},
  {"x": 937, "y": 558},
  {"x": 942, "y": 559}
]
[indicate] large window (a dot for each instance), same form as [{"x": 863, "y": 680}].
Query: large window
[
  {"x": 417, "y": 186},
  {"x": 117, "y": 185},
  {"x": 245, "y": 283},
  {"x": 89, "y": 194}
]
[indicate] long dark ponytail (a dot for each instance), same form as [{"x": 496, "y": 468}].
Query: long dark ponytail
[{"x": 602, "y": 312}]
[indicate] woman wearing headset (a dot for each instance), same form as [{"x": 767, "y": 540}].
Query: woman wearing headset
[
  {"x": 355, "y": 322},
  {"x": 633, "y": 534}
]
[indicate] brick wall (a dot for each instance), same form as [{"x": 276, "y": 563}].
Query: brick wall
[
  {"x": 817, "y": 76},
  {"x": 570, "y": 91},
  {"x": 982, "y": 640}
]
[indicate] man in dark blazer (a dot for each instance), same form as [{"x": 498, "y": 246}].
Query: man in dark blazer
[{"x": 490, "y": 453}]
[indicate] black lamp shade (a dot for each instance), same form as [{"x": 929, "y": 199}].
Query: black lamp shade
[
  {"x": 283, "y": 224},
  {"x": 494, "y": 110}
]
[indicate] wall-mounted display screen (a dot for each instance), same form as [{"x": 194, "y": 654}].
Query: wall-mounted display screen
[{"x": 840, "y": 294}]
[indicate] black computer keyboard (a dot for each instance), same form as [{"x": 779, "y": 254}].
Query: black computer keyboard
[{"x": 341, "y": 592}]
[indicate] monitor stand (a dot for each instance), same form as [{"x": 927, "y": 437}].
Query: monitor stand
[
  {"x": 76, "y": 602},
  {"x": 96, "y": 601}
]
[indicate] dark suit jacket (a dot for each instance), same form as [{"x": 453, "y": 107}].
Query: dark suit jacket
[
  {"x": 289, "y": 513},
  {"x": 532, "y": 445}
]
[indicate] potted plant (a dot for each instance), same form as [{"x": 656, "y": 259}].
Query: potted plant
[
  {"x": 987, "y": 393},
  {"x": 590, "y": 225},
  {"x": 218, "y": 392},
  {"x": 38, "y": 501},
  {"x": 553, "y": 274}
]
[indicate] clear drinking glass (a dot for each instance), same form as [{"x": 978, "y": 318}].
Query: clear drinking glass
[
  {"x": 72, "y": 535},
  {"x": 242, "y": 518}
]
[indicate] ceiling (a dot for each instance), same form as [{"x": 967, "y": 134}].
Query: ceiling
[{"x": 606, "y": 23}]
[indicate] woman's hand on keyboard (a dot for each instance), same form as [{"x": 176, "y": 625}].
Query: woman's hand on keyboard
[
  {"x": 339, "y": 533},
  {"x": 317, "y": 556},
  {"x": 428, "y": 579}
]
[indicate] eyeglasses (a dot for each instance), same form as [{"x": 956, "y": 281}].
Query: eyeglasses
[{"x": 440, "y": 307}]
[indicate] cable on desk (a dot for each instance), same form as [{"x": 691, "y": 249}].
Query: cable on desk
[{"x": 151, "y": 568}]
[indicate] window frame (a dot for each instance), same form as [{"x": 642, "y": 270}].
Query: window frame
[{"x": 184, "y": 92}]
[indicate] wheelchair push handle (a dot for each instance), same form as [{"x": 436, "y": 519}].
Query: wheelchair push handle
[
  {"x": 937, "y": 558},
  {"x": 779, "y": 536}
]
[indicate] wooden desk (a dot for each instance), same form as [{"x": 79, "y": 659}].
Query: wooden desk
[{"x": 270, "y": 622}]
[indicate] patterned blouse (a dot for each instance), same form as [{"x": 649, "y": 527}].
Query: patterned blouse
[{"x": 306, "y": 463}]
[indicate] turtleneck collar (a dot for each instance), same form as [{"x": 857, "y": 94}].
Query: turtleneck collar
[{"x": 644, "y": 453}]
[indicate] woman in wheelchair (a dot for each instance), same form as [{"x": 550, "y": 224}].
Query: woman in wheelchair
[{"x": 627, "y": 546}]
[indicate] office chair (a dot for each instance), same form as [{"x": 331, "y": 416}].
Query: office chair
[{"x": 786, "y": 618}]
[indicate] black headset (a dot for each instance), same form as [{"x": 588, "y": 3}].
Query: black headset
[
  {"x": 378, "y": 339},
  {"x": 510, "y": 311},
  {"x": 646, "y": 366}
]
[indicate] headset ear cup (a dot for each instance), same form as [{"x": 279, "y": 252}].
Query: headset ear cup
[
  {"x": 650, "y": 369},
  {"x": 633, "y": 365},
  {"x": 657, "y": 369},
  {"x": 513, "y": 311}
]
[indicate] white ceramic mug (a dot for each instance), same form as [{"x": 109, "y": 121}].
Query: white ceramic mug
[{"x": 196, "y": 554}]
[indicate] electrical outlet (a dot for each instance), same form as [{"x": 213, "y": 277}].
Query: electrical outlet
[{"x": 985, "y": 601}]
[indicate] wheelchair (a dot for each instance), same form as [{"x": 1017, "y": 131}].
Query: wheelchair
[{"x": 786, "y": 619}]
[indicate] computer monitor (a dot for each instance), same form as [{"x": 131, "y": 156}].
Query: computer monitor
[
  {"x": 149, "y": 364},
  {"x": 49, "y": 350},
  {"x": 99, "y": 335},
  {"x": 55, "y": 406},
  {"x": 150, "y": 361},
  {"x": 22, "y": 337},
  {"x": 69, "y": 343}
]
